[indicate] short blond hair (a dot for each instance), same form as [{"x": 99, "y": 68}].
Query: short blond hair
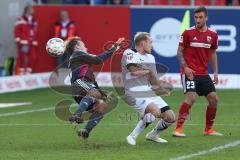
[{"x": 141, "y": 36}]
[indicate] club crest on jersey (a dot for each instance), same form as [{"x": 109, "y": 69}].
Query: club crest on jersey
[{"x": 209, "y": 38}]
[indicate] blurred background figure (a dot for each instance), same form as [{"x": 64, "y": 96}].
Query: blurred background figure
[
  {"x": 64, "y": 29},
  {"x": 116, "y": 2},
  {"x": 2, "y": 69},
  {"x": 25, "y": 31},
  {"x": 76, "y": 1},
  {"x": 232, "y": 2}
]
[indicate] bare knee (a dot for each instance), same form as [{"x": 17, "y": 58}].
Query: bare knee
[
  {"x": 156, "y": 112},
  {"x": 153, "y": 109},
  {"x": 100, "y": 106},
  {"x": 213, "y": 100},
  {"x": 95, "y": 93},
  {"x": 190, "y": 98},
  {"x": 169, "y": 116}
]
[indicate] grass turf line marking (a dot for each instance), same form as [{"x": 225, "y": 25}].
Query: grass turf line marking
[
  {"x": 26, "y": 112},
  {"x": 203, "y": 152},
  {"x": 8, "y": 105}
]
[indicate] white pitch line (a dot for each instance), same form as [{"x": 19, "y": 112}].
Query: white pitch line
[
  {"x": 214, "y": 149},
  {"x": 25, "y": 112},
  {"x": 8, "y": 105},
  {"x": 35, "y": 124}
]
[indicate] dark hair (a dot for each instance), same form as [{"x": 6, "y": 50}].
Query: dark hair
[
  {"x": 71, "y": 43},
  {"x": 201, "y": 9},
  {"x": 140, "y": 36},
  {"x": 26, "y": 8}
]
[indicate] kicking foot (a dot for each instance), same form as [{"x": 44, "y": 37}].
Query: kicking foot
[
  {"x": 131, "y": 140},
  {"x": 83, "y": 133},
  {"x": 76, "y": 118}
]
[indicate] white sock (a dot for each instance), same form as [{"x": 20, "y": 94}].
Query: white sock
[
  {"x": 138, "y": 129},
  {"x": 161, "y": 125}
]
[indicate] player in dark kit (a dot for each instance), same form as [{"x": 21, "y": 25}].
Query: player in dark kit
[
  {"x": 85, "y": 89},
  {"x": 196, "y": 48}
]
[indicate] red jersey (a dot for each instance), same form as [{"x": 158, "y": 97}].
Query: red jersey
[
  {"x": 65, "y": 30},
  {"x": 196, "y": 46},
  {"x": 26, "y": 31}
]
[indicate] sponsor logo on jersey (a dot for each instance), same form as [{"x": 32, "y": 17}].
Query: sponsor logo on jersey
[{"x": 200, "y": 45}]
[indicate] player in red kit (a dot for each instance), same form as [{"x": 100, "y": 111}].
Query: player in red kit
[{"x": 196, "y": 48}]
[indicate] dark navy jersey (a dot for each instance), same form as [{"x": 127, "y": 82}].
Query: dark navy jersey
[{"x": 81, "y": 63}]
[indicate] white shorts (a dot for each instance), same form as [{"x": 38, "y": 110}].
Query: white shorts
[{"x": 142, "y": 103}]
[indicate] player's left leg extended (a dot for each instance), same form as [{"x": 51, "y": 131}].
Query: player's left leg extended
[
  {"x": 97, "y": 114},
  {"x": 211, "y": 114},
  {"x": 91, "y": 96},
  {"x": 89, "y": 93}
]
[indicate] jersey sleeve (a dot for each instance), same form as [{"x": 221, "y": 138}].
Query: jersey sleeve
[
  {"x": 87, "y": 58},
  {"x": 91, "y": 59},
  {"x": 17, "y": 33},
  {"x": 183, "y": 39},
  {"x": 215, "y": 42}
]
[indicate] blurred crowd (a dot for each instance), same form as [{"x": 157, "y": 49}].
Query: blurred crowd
[
  {"x": 26, "y": 30},
  {"x": 146, "y": 2}
]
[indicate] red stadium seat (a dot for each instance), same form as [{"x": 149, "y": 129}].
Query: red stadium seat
[
  {"x": 220, "y": 3},
  {"x": 236, "y": 3},
  {"x": 158, "y": 2},
  {"x": 181, "y": 2},
  {"x": 135, "y": 2},
  {"x": 203, "y": 2}
]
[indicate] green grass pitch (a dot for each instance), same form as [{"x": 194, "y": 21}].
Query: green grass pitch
[{"x": 41, "y": 135}]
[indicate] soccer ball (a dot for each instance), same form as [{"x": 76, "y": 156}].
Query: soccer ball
[{"x": 55, "y": 47}]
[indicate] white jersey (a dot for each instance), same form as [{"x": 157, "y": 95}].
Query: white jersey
[
  {"x": 134, "y": 83},
  {"x": 138, "y": 90}
]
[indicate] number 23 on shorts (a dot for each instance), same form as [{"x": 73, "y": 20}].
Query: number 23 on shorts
[{"x": 190, "y": 84}]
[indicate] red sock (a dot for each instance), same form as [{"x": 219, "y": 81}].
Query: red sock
[
  {"x": 183, "y": 113},
  {"x": 210, "y": 116}
]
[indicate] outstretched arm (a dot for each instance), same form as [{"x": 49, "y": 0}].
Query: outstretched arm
[
  {"x": 113, "y": 49},
  {"x": 98, "y": 59}
]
